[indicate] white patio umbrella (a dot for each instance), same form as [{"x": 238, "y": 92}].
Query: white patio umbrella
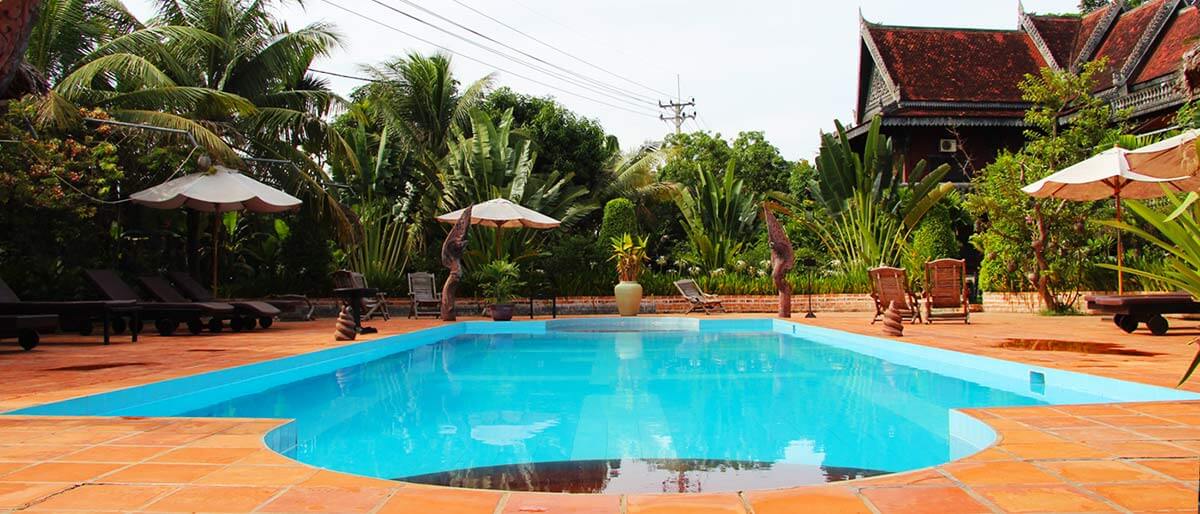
[
  {"x": 501, "y": 213},
  {"x": 1107, "y": 175},
  {"x": 1171, "y": 157},
  {"x": 219, "y": 190}
]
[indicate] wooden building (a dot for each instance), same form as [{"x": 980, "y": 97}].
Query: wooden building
[{"x": 951, "y": 95}]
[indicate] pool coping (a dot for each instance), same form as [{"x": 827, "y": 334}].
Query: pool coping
[{"x": 1012, "y": 424}]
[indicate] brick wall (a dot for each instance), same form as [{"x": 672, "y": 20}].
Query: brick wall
[{"x": 582, "y": 305}]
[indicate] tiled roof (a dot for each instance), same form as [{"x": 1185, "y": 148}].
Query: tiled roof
[
  {"x": 1087, "y": 26},
  {"x": 1061, "y": 34},
  {"x": 967, "y": 65},
  {"x": 1177, "y": 40},
  {"x": 1121, "y": 40},
  {"x": 959, "y": 113}
]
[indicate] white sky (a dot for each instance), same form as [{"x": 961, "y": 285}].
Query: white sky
[{"x": 786, "y": 67}]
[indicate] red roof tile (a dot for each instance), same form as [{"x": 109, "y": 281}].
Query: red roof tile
[
  {"x": 957, "y": 113},
  {"x": 957, "y": 65},
  {"x": 1087, "y": 26},
  {"x": 1060, "y": 34},
  {"x": 1176, "y": 40},
  {"x": 1121, "y": 40}
]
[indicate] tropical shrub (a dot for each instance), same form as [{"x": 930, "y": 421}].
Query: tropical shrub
[
  {"x": 719, "y": 216},
  {"x": 379, "y": 255},
  {"x": 1044, "y": 245},
  {"x": 619, "y": 219},
  {"x": 629, "y": 253},
  {"x": 1177, "y": 234},
  {"x": 866, "y": 211},
  {"x": 499, "y": 281}
]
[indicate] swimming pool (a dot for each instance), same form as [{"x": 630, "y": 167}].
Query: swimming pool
[{"x": 620, "y": 405}]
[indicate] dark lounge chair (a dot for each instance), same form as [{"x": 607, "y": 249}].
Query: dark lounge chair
[
  {"x": 1131, "y": 310},
  {"x": 114, "y": 315},
  {"x": 699, "y": 300},
  {"x": 946, "y": 288},
  {"x": 286, "y": 303},
  {"x": 245, "y": 313},
  {"x": 426, "y": 300},
  {"x": 25, "y": 327},
  {"x": 166, "y": 315},
  {"x": 889, "y": 286}
]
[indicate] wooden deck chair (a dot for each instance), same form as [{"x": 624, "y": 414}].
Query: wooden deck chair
[
  {"x": 422, "y": 290},
  {"x": 699, "y": 300},
  {"x": 946, "y": 288},
  {"x": 890, "y": 285},
  {"x": 371, "y": 302}
]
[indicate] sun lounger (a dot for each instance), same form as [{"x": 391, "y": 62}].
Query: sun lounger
[
  {"x": 422, "y": 290},
  {"x": 1131, "y": 310},
  {"x": 25, "y": 327},
  {"x": 946, "y": 288},
  {"x": 245, "y": 313},
  {"x": 114, "y": 315},
  {"x": 286, "y": 303},
  {"x": 699, "y": 300},
  {"x": 166, "y": 315},
  {"x": 889, "y": 286}
]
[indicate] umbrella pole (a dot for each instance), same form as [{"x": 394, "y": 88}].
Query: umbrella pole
[
  {"x": 1120, "y": 250},
  {"x": 216, "y": 236}
]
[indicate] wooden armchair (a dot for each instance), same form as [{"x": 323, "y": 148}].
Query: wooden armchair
[
  {"x": 890, "y": 286},
  {"x": 946, "y": 288},
  {"x": 422, "y": 290}
]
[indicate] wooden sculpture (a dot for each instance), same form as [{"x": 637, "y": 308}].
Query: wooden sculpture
[
  {"x": 345, "y": 326},
  {"x": 452, "y": 253},
  {"x": 893, "y": 322},
  {"x": 783, "y": 259}
]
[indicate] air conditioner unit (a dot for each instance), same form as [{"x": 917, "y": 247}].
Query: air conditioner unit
[{"x": 948, "y": 146}]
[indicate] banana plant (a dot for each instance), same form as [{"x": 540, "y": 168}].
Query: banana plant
[
  {"x": 1178, "y": 235},
  {"x": 867, "y": 210},
  {"x": 719, "y": 216}
]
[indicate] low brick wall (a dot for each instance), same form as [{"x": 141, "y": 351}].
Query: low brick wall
[
  {"x": 1028, "y": 302},
  {"x": 584, "y": 305}
]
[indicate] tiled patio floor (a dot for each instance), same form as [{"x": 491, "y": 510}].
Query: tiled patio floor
[{"x": 1096, "y": 458}]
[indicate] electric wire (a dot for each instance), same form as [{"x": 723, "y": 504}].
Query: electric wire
[
  {"x": 519, "y": 61},
  {"x": 480, "y": 61},
  {"x": 618, "y": 90},
  {"x": 342, "y": 75},
  {"x": 556, "y": 49}
]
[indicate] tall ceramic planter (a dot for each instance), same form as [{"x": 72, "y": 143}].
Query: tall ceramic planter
[{"x": 629, "y": 298}]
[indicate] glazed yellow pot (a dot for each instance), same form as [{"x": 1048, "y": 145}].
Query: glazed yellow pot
[{"x": 629, "y": 298}]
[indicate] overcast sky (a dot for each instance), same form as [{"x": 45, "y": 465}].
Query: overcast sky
[{"x": 785, "y": 67}]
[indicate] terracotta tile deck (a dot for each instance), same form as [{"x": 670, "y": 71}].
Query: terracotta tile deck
[{"x": 1089, "y": 458}]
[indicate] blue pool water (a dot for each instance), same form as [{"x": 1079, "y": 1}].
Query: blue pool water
[{"x": 625, "y": 411}]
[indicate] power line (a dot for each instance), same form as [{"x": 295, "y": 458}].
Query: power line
[
  {"x": 556, "y": 49},
  {"x": 605, "y": 85},
  {"x": 480, "y": 61},
  {"x": 342, "y": 75},
  {"x": 559, "y": 76}
]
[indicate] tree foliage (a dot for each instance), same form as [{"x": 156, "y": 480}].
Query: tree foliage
[{"x": 1043, "y": 244}]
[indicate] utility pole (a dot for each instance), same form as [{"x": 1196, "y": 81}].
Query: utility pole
[{"x": 677, "y": 106}]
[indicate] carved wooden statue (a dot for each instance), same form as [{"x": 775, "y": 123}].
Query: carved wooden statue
[
  {"x": 783, "y": 259},
  {"x": 452, "y": 253}
]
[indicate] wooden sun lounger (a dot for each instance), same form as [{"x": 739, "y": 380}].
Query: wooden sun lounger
[
  {"x": 114, "y": 315},
  {"x": 166, "y": 315},
  {"x": 289, "y": 303},
  {"x": 889, "y": 286},
  {"x": 244, "y": 313},
  {"x": 946, "y": 289},
  {"x": 1131, "y": 310},
  {"x": 25, "y": 327},
  {"x": 700, "y": 301}
]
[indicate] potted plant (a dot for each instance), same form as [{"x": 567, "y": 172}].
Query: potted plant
[
  {"x": 629, "y": 253},
  {"x": 499, "y": 281}
]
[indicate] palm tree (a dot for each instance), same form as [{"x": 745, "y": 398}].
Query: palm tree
[
  {"x": 68, "y": 31},
  {"x": 419, "y": 99},
  {"x": 225, "y": 71}
]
